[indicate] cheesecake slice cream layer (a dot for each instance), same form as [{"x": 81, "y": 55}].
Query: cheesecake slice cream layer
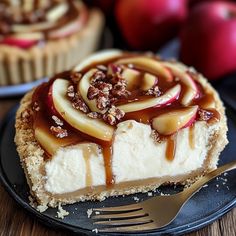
[{"x": 136, "y": 156}]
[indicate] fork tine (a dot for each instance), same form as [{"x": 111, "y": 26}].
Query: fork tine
[
  {"x": 133, "y": 228},
  {"x": 133, "y": 214},
  {"x": 130, "y": 207},
  {"x": 141, "y": 220}
]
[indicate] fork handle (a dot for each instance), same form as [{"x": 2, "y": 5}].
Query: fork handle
[{"x": 200, "y": 182}]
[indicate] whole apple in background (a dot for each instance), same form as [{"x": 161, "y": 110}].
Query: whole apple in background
[
  {"x": 147, "y": 25},
  {"x": 208, "y": 39},
  {"x": 193, "y": 3}
]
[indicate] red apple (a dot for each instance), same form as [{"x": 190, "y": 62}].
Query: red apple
[
  {"x": 193, "y": 3},
  {"x": 149, "y": 24},
  {"x": 208, "y": 39}
]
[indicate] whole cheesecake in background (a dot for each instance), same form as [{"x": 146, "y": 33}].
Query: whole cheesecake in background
[
  {"x": 40, "y": 38},
  {"x": 118, "y": 123}
]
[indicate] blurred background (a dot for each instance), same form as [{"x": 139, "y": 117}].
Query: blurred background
[{"x": 200, "y": 33}]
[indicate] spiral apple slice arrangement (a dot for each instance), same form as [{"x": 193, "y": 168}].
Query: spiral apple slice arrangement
[
  {"x": 106, "y": 94},
  {"x": 53, "y": 26}
]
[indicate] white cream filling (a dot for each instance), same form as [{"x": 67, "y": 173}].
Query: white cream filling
[{"x": 135, "y": 156}]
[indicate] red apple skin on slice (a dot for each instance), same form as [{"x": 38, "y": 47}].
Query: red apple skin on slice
[
  {"x": 172, "y": 121},
  {"x": 21, "y": 43},
  {"x": 77, "y": 119},
  {"x": 149, "y": 65},
  {"x": 192, "y": 90},
  {"x": 50, "y": 103},
  {"x": 169, "y": 96}
]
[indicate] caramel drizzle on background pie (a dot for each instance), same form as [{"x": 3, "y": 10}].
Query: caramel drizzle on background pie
[{"x": 76, "y": 11}]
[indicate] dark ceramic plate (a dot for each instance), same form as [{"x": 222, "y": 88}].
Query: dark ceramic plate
[{"x": 206, "y": 206}]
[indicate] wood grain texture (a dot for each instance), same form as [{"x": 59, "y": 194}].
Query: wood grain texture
[{"x": 16, "y": 221}]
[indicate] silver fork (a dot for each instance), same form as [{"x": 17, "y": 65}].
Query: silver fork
[{"x": 150, "y": 214}]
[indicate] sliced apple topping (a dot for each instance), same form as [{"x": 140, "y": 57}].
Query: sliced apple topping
[
  {"x": 172, "y": 121},
  {"x": 97, "y": 57},
  {"x": 49, "y": 142},
  {"x": 56, "y": 12},
  {"x": 77, "y": 119},
  {"x": 29, "y": 36},
  {"x": 18, "y": 28},
  {"x": 131, "y": 76},
  {"x": 149, "y": 65},
  {"x": 149, "y": 81},
  {"x": 192, "y": 90},
  {"x": 168, "y": 97},
  {"x": 83, "y": 87}
]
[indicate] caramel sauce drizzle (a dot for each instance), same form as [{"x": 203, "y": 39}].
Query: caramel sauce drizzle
[
  {"x": 191, "y": 137},
  {"x": 171, "y": 147},
  {"x": 143, "y": 116},
  {"x": 107, "y": 155},
  {"x": 86, "y": 154}
]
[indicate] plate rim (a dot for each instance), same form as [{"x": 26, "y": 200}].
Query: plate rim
[{"x": 56, "y": 223}]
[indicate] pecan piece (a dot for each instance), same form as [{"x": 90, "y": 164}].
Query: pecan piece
[
  {"x": 110, "y": 119},
  {"x": 79, "y": 104},
  {"x": 98, "y": 76},
  {"x": 116, "y": 112},
  {"x": 58, "y": 131},
  {"x": 102, "y": 102},
  {"x": 155, "y": 91},
  {"x": 204, "y": 115},
  {"x": 57, "y": 120},
  {"x": 71, "y": 91},
  {"x": 94, "y": 115},
  {"x": 92, "y": 92}
]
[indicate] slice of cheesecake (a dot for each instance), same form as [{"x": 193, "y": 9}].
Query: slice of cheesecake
[{"x": 119, "y": 123}]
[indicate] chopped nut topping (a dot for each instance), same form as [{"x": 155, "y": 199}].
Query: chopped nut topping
[
  {"x": 113, "y": 115},
  {"x": 155, "y": 136},
  {"x": 98, "y": 76},
  {"x": 204, "y": 115},
  {"x": 58, "y": 131},
  {"x": 94, "y": 115},
  {"x": 35, "y": 106},
  {"x": 103, "y": 102},
  {"x": 79, "y": 104},
  {"x": 57, "y": 120},
  {"x": 103, "y": 87},
  {"x": 154, "y": 91},
  {"x": 110, "y": 119},
  {"x": 71, "y": 91},
  {"x": 92, "y": 92},
  {"x": 119, "y": 114}
]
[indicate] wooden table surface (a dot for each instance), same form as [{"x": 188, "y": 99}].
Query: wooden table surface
[{"x": 15, "y": 221}]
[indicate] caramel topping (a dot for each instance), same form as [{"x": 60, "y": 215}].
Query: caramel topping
[
  {"x": 191, "y": 137},
  {"x": 170, "y": 147},
  {"x": 108, "y": 92},
  {"x": 41, "y": 17}
]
